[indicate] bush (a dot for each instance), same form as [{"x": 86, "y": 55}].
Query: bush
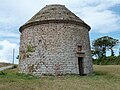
[
  {"x": 15, "y": 66},
  {"x": 2, "y": 73},
  {"x": 110, "y": 60}
]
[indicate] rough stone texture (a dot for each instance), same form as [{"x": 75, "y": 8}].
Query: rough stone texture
[
  {"x": 54, "y": 12},
  {"x": 51, "y": 47}
]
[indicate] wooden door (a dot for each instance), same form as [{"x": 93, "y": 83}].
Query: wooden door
[{"x": 80, "y": 66}]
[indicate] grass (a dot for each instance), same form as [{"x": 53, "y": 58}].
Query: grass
[
  {"x": 2, "y": 64},
  {"x": 105, "y": 78}
]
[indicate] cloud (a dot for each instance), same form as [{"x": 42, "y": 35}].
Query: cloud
[
  {"x": 101, "y": 21},
  {"x": 6, "y": 52},
  {"x": 9, "y": 34},
  {"x": 99, "y": 15},
  {"x": 96, "y": 13}
]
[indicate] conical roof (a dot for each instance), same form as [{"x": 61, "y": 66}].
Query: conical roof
[{"x": 54, "y": 13}]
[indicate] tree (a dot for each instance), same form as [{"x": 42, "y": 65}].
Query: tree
[
  {"x": 102, "y": 44},
  {"x": 112, "y": 42}
]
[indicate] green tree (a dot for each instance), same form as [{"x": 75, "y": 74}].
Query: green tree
[
  {"x": 112, "y": 43},
  {"x": 102, "y": 44}
]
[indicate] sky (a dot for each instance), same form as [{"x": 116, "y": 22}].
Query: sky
[{"x": 102, "y": 15}]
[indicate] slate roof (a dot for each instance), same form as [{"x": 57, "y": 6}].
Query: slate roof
[{"x": 54, "y": 13}]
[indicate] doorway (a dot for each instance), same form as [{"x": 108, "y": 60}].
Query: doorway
[{"x": 80, "y": 66}]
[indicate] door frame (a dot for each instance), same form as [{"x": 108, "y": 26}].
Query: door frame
[{"x": 80, "y": 66}]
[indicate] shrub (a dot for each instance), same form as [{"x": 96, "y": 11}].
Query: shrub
[
  {"x": 15, "y": 66},
  {"x": 2, "y": 73},
  {"x": 110, "y": 60}
]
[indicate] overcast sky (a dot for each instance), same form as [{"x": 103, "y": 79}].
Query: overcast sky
[{"x": 102, "y": 15}]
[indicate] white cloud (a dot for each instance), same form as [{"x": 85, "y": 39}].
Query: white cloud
[
  {"x": 94, "y": 12},
  {"x": 6, "y": 51},
  {"x": 99, "y": 16},
  {"x": 9, "y": 34},
  {"x": 101, "y": 21}
]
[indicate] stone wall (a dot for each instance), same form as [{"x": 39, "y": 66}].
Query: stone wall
[{"x": 52, "y": 49}]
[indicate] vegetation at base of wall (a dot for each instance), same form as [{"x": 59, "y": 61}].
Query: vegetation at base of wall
[
  {"x": 14, "y": 66},
  {"x": 111, "y": 60},
  {"x": 2, "y": 73},
  {"x": 26, "y": 76},
  {"x": 13, "y": 74}
]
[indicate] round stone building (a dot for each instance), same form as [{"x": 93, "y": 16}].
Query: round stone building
[{"x": 55, "y": 42}]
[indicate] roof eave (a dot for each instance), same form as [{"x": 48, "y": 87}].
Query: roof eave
[{"x": 54, "y": 21}]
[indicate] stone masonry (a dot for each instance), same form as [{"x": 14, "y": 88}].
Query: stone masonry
[{"x": 52, "y": 41}]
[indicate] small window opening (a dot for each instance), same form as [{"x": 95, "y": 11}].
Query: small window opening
[{"x": 79, "y": 48}]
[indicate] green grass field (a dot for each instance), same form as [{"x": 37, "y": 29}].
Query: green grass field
[{"x": 105, "y": 78}]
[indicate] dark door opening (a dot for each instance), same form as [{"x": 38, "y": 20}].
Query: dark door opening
[{"x": 80, "y": 66}]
